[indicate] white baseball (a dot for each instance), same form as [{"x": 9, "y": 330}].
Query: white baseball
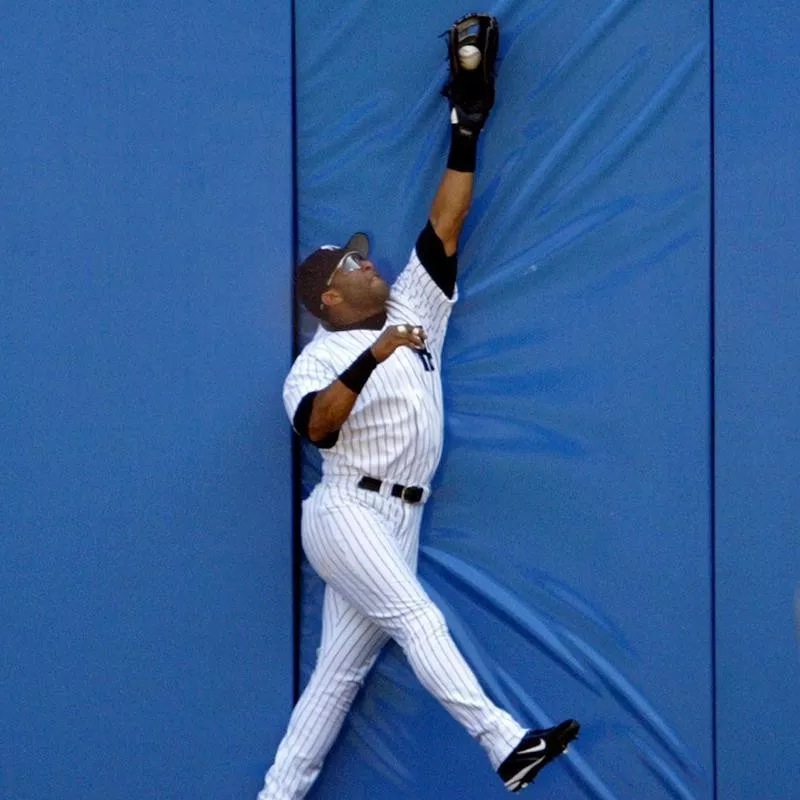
[{"x": 469, "y": 56}]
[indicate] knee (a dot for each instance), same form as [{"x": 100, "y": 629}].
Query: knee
[
  {"x": 344, "y": 685},
  {"x": 425, "y": 623}
]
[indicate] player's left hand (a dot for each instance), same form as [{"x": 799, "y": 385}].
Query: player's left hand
[{"x": 472, "y": 44}]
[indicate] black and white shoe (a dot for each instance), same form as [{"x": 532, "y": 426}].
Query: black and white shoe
[{"x": 536, "y": 750}]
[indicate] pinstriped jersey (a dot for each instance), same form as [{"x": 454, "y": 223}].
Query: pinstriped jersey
[{"x": 396, "y": 428}]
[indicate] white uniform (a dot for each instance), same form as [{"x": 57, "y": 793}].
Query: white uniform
[{"x": 364, "y": 544}]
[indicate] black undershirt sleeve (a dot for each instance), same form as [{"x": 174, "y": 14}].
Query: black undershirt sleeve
[
  {"x": 303, "y": 416},
  {"x": 441, "y": 267}
]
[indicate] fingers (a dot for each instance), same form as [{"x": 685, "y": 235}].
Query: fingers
[
  {"x": 413, "y": 335},
  {"x": 395, "y": 336},
  {"x": 418, "y": 337},
  {"x": 411, "y": 330}
]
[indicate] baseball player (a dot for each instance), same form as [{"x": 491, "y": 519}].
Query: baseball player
[{"x": 367, "y": 391}]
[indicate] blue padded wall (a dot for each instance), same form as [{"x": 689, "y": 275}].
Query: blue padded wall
[
  {"x": 145, "y": 497},
  {"x": 757, "y": 336},
  {"x": 568, "y": 539}
]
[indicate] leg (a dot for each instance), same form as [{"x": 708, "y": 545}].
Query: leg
[
  {"x": 350, "y": 644},
  {"x": 351, "y": 548}
]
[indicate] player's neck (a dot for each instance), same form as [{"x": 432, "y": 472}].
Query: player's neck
[{"x": 374, "y": 322}]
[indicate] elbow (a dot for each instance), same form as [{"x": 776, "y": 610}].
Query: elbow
[
  {"x": 322, "y": 436},
  {"x": 317, "y": 432},
  {"x": 312, "y": 423},
  {"x": 449, "y": 224},
  {"x": 320, "y": 427},
  {"x": 309, "y": 419},
  {"x": 316, "y": 429},
  {"x": 448, "y": 229}
]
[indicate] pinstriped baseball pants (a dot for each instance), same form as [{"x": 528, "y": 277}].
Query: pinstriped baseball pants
[{"x": 364, "y": 546}]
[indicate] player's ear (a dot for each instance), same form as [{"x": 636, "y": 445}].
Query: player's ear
[{"x": 331, "y": 298}]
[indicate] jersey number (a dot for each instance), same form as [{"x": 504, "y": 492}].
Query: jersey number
[{"x": 427, "y": 359}]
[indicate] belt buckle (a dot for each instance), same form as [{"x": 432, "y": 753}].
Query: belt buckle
[{"x": 415, "y": 496}]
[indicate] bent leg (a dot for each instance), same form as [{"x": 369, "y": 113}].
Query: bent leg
[
  {"x": 354, "y": 553},
  {"x": 350, "y": 644}
]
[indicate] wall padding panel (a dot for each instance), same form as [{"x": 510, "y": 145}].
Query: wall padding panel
[
  {"x": 145, "y": 471},
  {"x": 569, "y": 535}
]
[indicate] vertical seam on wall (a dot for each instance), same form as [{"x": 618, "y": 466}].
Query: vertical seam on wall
[
  {"x": 713, "y": 407},
  {"x": 297, "y": 550}
]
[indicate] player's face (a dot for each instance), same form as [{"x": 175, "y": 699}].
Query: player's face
[{"x": 359, "y": 284}]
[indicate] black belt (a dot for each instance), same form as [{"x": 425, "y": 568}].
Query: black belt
[{"x": 411, "y": 494}]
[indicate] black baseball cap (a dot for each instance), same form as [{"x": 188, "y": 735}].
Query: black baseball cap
[{"x": 315, "y": 272}]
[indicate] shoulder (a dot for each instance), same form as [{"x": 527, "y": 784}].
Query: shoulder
[{"x": 314, "y": 358}]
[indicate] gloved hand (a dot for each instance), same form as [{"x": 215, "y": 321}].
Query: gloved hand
[{"x": 472, "y": 44}]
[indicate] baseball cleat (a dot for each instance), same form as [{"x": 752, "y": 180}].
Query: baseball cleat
[{"x": 536, "y": 750}]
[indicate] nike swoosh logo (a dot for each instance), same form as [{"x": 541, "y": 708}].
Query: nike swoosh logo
[
  {"x": 538, "y": 749},
  {"x": 511, "y": 782}
]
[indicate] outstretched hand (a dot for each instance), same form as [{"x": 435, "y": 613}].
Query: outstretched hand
[
  {"x": 472, "y": 44},
  {"x": 396, "y": 336}
]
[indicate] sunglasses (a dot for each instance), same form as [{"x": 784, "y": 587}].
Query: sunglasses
[{"x": 351, "y": 262}]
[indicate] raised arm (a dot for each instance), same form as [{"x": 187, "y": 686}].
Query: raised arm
[{"x": 472, "y": 48}]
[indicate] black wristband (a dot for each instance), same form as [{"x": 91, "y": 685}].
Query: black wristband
[
  {"x": 357, "y": 374},
  {"x": 463, "y": 149}
]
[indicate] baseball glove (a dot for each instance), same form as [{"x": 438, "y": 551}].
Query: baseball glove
[{"x": 472, "y": 43}]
